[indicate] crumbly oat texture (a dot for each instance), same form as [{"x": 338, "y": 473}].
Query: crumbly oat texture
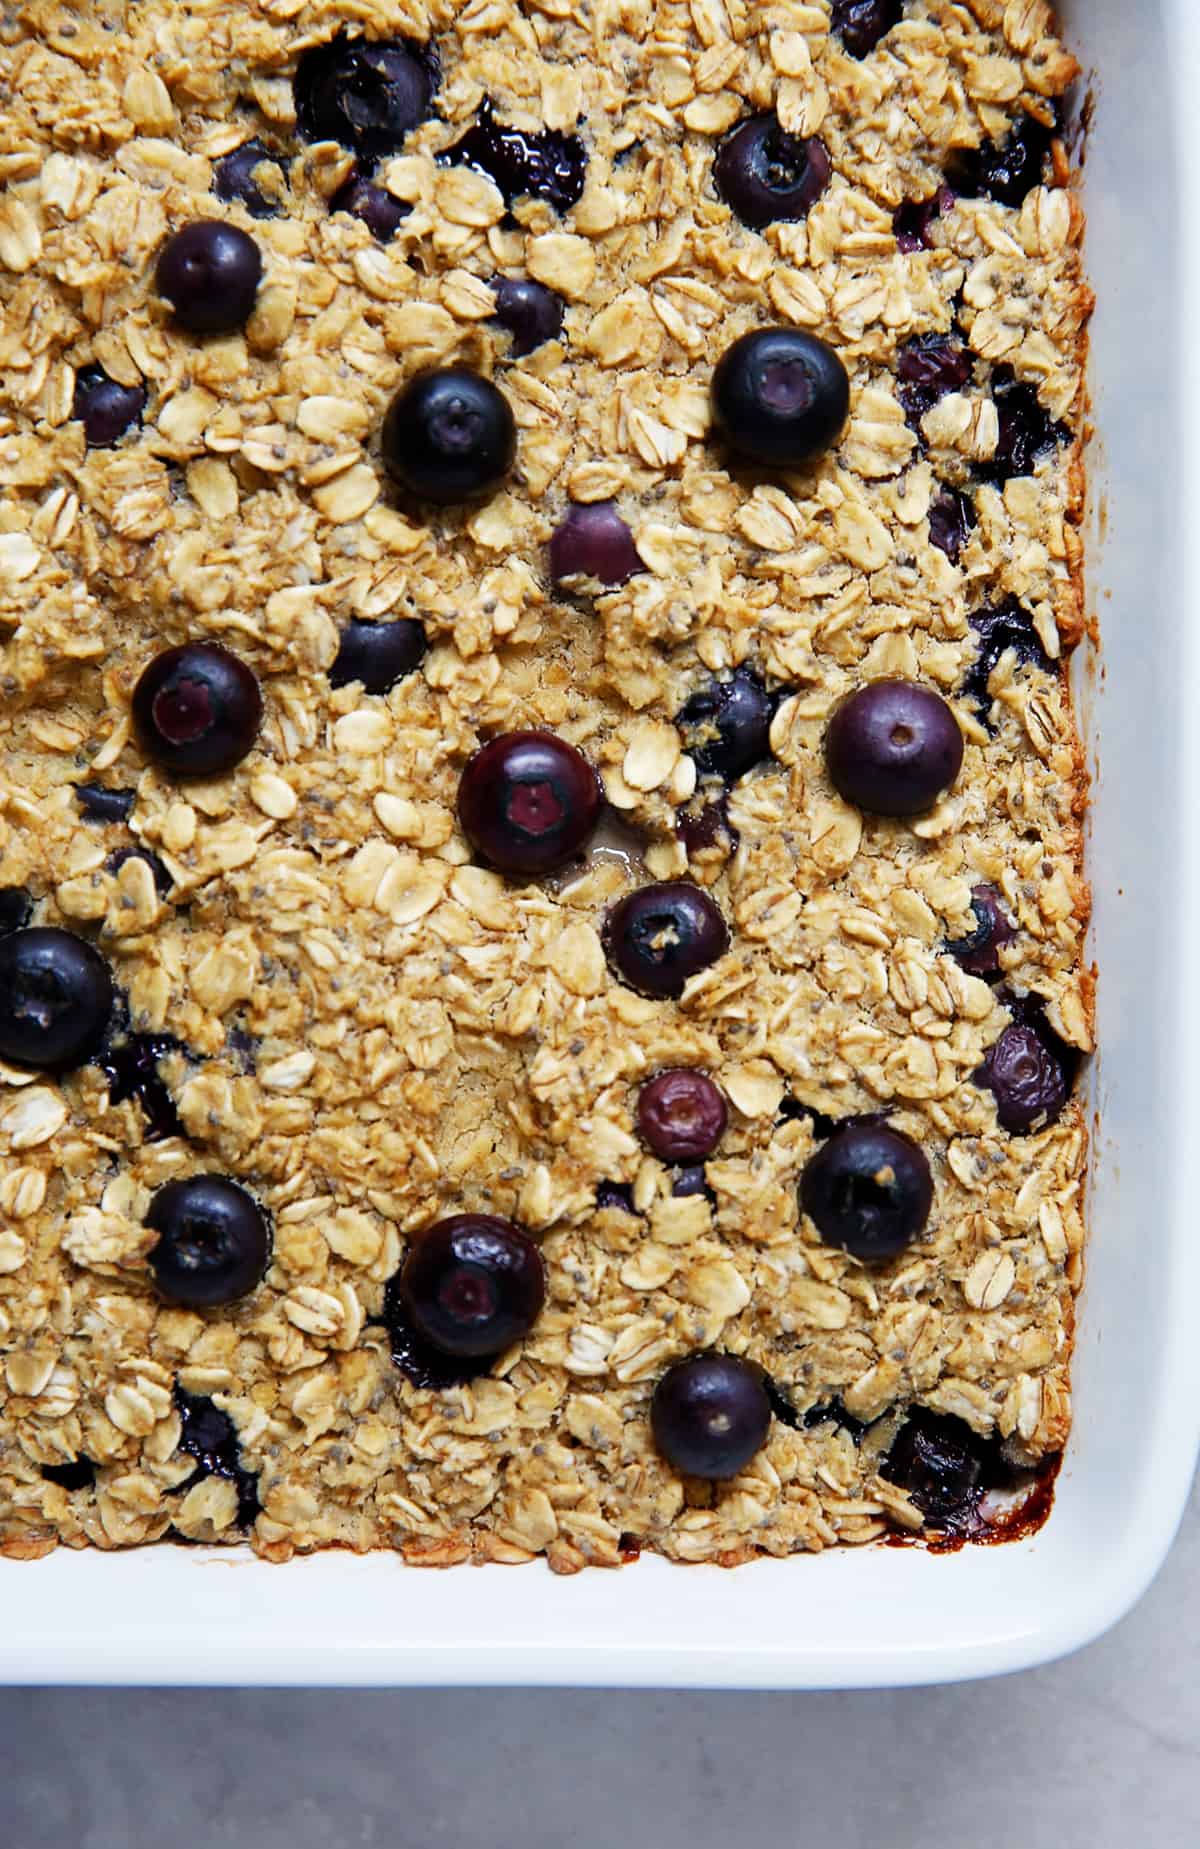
[{"x": 374, "y": 1031}]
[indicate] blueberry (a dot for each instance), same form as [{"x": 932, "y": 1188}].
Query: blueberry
[
  {"x": 765, "y": 175},
  {"x": 1027, "y": 431},
  {"x": 977, "y": 951},
  {"x": 727, "y": 726},
  {"x": 692, "y": 1180},
  {"x": 214, "y": 1241},
  {"x": 547, "y": 165},
  {"x": 378, "y": 654},
  {"x": 367, "y": 94},
  {"x": 952, "y": 520},
  {"x": 892, "y": 748},
  {"x": 98, "y": 804},
  {"x": 913, "y": 219},
  {"x": 929, "y": 366},
  {"x": 1001, "y": 627},
  {"x": 868, "y": 1190},
  {"x": 710, "y": 1415},
  {"x": 941, "y": 1463},
  {"x": 528, "y": 801},
  {"x": 56, "y": 995},
  {"x": 780, "y": 397},
  {"x": 682, "y": 1115},
  {"x": 615, "y": 1195},
  {"x": 531, "y": 313},
  {"x": 234, "y": 178},
  {"x": 1004, "y": 171},
  {"x": 415, "y": 1356},
  {"x": 592, "y": 541},
  {"x": 209, "y": 272},
  {"x": 105, "y": 408},
  {"x": 130, "y": 1065},
  {"x": 1026, "y": 1079},
  {"x": 197, "y": 709},
  {"x": 706, "y": 829},
  {"x": 210, "y": 1436},
  {"x": 658, "y": 937},
  {"x": 79, "y": 1473},
  {"x": 16, "y": 909},
  {"x": 163, "y": 880},
  {"x": 449, "y": 435},
  {"x": 860, "y": 24},
  {"x": 380, "y": 211},
  {"x": 473, "y": 1284}
]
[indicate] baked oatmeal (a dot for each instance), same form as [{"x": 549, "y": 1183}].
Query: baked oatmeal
[{"x": 542, "y": 980}]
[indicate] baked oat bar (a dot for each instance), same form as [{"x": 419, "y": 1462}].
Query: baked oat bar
[{"x": 542, "y": 977}]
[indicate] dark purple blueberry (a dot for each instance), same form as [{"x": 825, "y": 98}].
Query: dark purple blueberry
[
  {"x": 860, "y": 24},
  {"x": 56, "y": 995},
  {"x": 417, "y": 1359},
  {"x": 163, "y": 880},
  {"x": 892, "y": 748},
  {"x": 691, "y": 1180},
  {"x": 593, "y": 541},
  {"x": 233, "y": 178},
  {"x": 780, "y": 396},
  {"x": 951, "y": 522},
  {"x": 214, "y": 1241},
  {"x": 912, "y": 220},
  {"x": 473, "y": 1284},
  {"x": 1027, "y": 431},
  {"x": 832, "y": 1412},
  {"x": 209, "y": 272},
  {"x": 79, "y": 1473},
  {"x": 727, "y": 726},
  {"x": 710, "y": 1415},
  {"x": 528, "y": 801},
  {"x": 449, "y": 435},
  {"x": 999, "y": 628},
  {"x": 531, "y": 313},
  {"x": 617, "y": 1195},
  {"x": 1025, "y": 1077},
  {"x": 547, "y": 165},
  {"x": 378, "y": 654},
  {"x": 1004, "y": 171},
  {"x": 658, "y": 937},
  {"x": 763, "y": 174},
  {"x": 210, "y": 1436},
  {"x": 131, "y": 1067},
  {"x": 929, "y": 366},
  {"x": 868, "y": 1190},
  {"x": 197, "y": 709},
  {"x": 380, "y": 211},
  {"x": 682, "y": 1115},
  {"x": 105, "y": 408},
  {"x": 16, "y": 909},
  {"x": 707, "y": 828},
  {"x": 98, "y": 804},
  {"x": 941, "y": 1463},
  {"x": 993, "y": 929},
  {"x": 367, "y": 94}
]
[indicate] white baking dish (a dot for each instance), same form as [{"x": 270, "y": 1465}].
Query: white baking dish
[{"x": 879, "y": 1616}]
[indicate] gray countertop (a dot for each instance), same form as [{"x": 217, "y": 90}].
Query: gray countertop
[{"x": 1092, "y": 1753}]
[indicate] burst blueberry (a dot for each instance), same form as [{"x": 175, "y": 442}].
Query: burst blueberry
[
  {"x": 545, "y": 164},
  {"x": 860, "y": 24},
  {"x": 977, "y": 952},
  {"x": 241, "y": 175},
  {"x": 929, "y": 366},
  {"x": 367, "y": 94},
  {"x": 952, "y": 520},
  {"x": 727, "y": 725},
  {"x": 1004, "y": 170}
]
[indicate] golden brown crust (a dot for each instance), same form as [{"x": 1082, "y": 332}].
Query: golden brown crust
[{"x": 428, "y": 1038}]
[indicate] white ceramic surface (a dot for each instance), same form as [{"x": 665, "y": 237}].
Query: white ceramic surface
[{"x": 877, "y": 1616}]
